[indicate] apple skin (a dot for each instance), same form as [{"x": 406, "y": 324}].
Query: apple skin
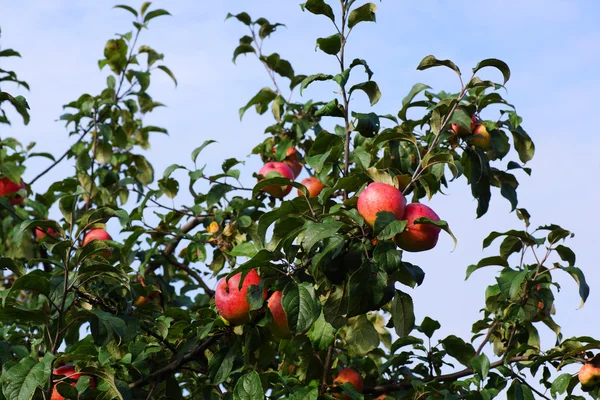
[
  {"x": 589, "y": 375},
  {"x": 351, "y": 376},
  {"x": 279, "y": 326},
  {"x": 313, "y": 185},
  {"x": 8, "y": 187},
  {"x": 419, "y": 237},
  {"x": 69, "y": 372},
  {"x": 292, "y": 159},
  {"x": 284, "y": 170},
  {"x": 231, "y": 302},
  {"x": 97, "y": 234},
  {"x": 482, "y": 138},
  {"x": 41, "y": 233},
  {"x": 380, "y": 197}
]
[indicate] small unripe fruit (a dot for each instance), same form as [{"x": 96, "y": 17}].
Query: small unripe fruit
[
  {"x": 313, "y": 185},
  {"x": 380, "y": 197},
  {"x": 283, "y": 170}
]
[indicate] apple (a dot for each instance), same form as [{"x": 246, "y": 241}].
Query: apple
[
  {"x": 41, "y": 233},
  {"x": 419, "y": 237},
  {"x": 231, "y": 302},
  {"x": 589, "y": 375},
  {"x": 382, "y": 397},
  {"x": 282, "y": 169},
  {"x": 97, "y": 234},
  {"x": 380, "y": 197},
  {"x": 481, "y": 138},
  {"x": 313, "y": 185},
  {"x": 351, "y": 376},
  {"x": 8, "y": 188},
  {"x": 460, "y": 131},
  {"x": 143, "y": 300},
  {"x": 69, "y": 372},
  {"x": 279, "y": 325}
]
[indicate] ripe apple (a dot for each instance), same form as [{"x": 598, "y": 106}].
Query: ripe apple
[
  {"x": 382, "y": 397},
  {"x": 231, "y": 302},
  {"x": 41, "y": 233},
  {"x": 380, "y": 197},
  {"x": 351, "y": 376},
  {"x": 282, "y": 169},
  {"x": 8, "y": 188},
  {"x": 97, "y": 234},
  {"x": 313, "y": 185},
  {"x": 481, "y": 138},
  {"x": 419, "y": 237},
  {"x": 69, "y": 372},
  {"x": 279, "y": 325},
  {"x": 589, "y": 375}
]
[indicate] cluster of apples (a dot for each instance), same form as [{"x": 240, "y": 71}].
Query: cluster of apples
[
  {"x": 379, "y": 197},
  {"x": 289, "y": 168},
  {"x": 480, "y": 135},
  {"x": 68, "y": 371}
]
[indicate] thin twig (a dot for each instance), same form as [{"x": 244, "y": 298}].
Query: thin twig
[
  {"x": 326, "y": 368},
  {"x": 487, "y": 337}
]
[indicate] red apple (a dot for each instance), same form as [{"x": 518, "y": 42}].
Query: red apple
[
  {"x": 8, "y": 188},
  {"x": 143, "y": 300},
  {"x": 481, "y": 138},
  {"x": 351, "y": 376},
  {"x": 69, "y": 372},
  {"x": 419, "y": 237},
  {"x": 279, "y": 326},
  {"x": 589, "y": 375},
  {"x": 283, "y": 170},
  {"x": 231, "y": 302},
  {"x": 97, "y": 234},
  {"x": 380, "y": 197},
  {"x": 313, "y": 185},
  {"x": 41, "y": 233}
]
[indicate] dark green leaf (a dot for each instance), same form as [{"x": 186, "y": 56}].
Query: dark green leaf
[
  {"x": 429, "y": 326},
  {"x": 403, "y": 314},
  {"x": 319, "y": 7},
  {"x": 331, "y": 44},
  {"x": 431, "y": 61},
  {"x": 312, "y": 78},
  {"x": 364, "y": 13},
  {"x": 493, "y": 62},
  {"x": 457, "y": 348},
  {"x": 301, "y": 306},
  {"x": 249, "y": 387},
  {"x": 370, "y": 88}
]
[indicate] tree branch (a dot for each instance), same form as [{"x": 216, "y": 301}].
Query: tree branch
[
  {"x": 394, "y": 386},
  {"x": 326, "y": 368},
  {"x": 164, "y": 372},
  {"x": 487, "y": 337}
]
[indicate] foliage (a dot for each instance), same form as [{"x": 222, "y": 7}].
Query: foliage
[{"x": 155, "y": 331}]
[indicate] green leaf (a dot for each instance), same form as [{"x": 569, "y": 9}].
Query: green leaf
[
  {"x": 319, "y": 7},
  {"x": 168, "y": 72},
  {"x": 312, "y": 78},
  {"x": 315, "y": 232},
  {"x": 362, "y": 337},
  {"x": 260, "y": 102},
  {"x": 366, "y": 124},
  {"x": 243, "y": 48},
  {"x": 523, "y": 144},
  {"x": 20, "y": 381},
  {"x": 392, "y": 229},
  {"x": 481, "y": 365},
  {"x": 243, "y": 17},
  {"x": 493, "y": 62},
  {"x": 321, "y": 334},
  {"x": 13, "y": 312},
  {"x": 486, "y": 262},
  {"x": 249, "y": 387},
  {"x": 560, "y": 384},
  {"x": 357, "y": 61},
  {"x": 364, "y": 13},
  {"x": 370, "y": 88},
  {"x": 457, "y": 348},
  {"x": 524, "y": 236},
  {"x": 155, "y": 13},
  {"x": 430, "y": 62},
  {"x": 415, "y": 90},
  {"x": 37, "y": 281},
  {"x": 331, "y": 44},
  {"x": 221, "y": 364},
  {"x": 301, "y": 306},
  {"x": 130, "y": 9},
  {"x": 577, "y": 275},
  {"x": 331, "y": 109},
  {"x": 429, "y": 326},
  {"x": 245, "y": 249},
  {"x": 443, "y": 225},
  {"x": 403, "y": 314},
  {"x": 510, "y": 282},
  {"x": 199, "y": 149},
  {"x": 566, "y": 254}
]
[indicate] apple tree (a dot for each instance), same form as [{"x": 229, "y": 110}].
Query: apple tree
[{"x": 311, "y": 299}]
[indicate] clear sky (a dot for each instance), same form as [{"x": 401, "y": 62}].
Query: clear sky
[{"x": 552, "y": 47}]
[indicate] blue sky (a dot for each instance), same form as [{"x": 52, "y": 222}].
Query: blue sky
[{"x": 551, "y": 46}]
